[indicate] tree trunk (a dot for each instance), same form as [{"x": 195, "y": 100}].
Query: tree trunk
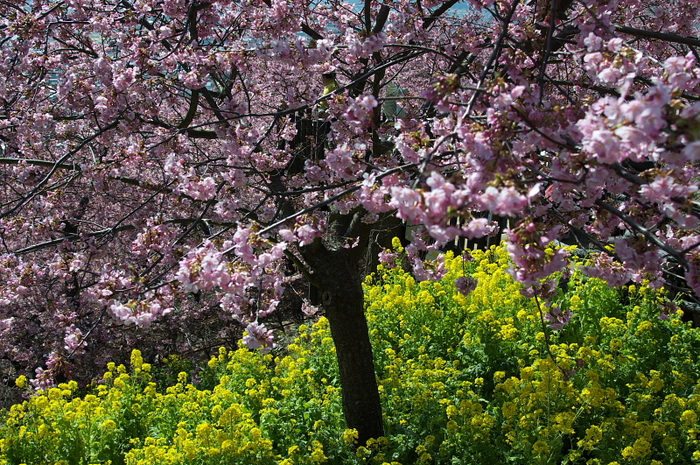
[{"x": 336, "y": 271}]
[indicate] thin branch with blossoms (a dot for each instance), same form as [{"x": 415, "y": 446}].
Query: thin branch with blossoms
[
  {"x": 545, "y": 330},
  {"x": 645, "y": 232}
]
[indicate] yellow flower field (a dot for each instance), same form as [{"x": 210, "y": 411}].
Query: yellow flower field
[{"x": 464, "y": 379}]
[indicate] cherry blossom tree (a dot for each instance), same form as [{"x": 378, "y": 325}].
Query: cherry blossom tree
[{"x": 173, "y": 165}]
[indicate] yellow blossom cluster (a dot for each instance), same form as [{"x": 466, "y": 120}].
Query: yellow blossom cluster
[
  {"x": 617, "y": 384},
  {"x": 464, "y": 379},
  {"x": 247, "y": 418}
]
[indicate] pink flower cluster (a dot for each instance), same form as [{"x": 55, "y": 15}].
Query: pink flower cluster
[{"x": 359, "y": 113}]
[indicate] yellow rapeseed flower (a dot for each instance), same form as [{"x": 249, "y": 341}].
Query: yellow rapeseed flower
[{"x": 21, "y": 381}]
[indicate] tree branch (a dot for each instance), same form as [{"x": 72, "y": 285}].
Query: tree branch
[
  {"x": 644, "y": 232},
  {"x": 666, "y": 36},
  {"x": 76, "y": 167},
  {"x": 42, "y": 163},
  {"x": 191, "y": 111},
  {"x": 492, "y": 58},
  {"x": 54, "y": 168},
  {"x": 100, "y": 233},
  {"x": 382, "y": 16},
  {"x": 306, "y": 29},
  {"x": 427, "y": 22}
]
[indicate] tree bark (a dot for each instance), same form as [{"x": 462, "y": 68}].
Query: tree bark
[{"x": 336, "y": 271}]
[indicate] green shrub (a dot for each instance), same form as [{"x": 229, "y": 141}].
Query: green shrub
[{"x": 464, "y": 380}]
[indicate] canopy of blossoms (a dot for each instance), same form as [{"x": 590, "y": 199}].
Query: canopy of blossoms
[{"x": 163, "y": 163}]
